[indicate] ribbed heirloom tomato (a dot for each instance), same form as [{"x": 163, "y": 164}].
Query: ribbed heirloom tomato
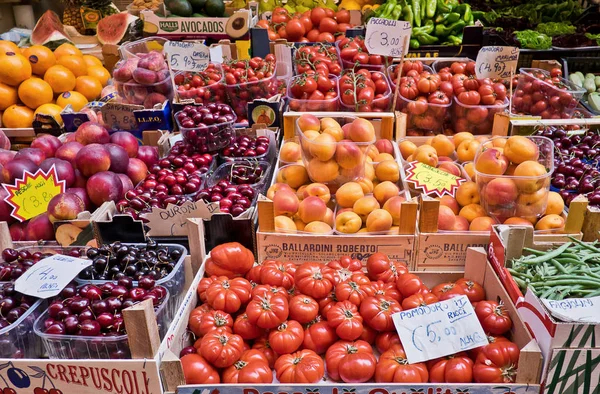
[
  {"x": 419, "y": 299},
  {"x": 380, "y": 267},
  {"x": 445, "y": 291},
  {"x": 344, "y": 268},
  {"x": 213, "y": 320},
  {"x": 393, "y": 367},
  {"x": 377, "y": 312},
  {"x": 383, "y": 288},
  {"x": 251, "y": 367},
  {"x": 314, "y": 279},
  {"x": 457, "y": 368},
  {"x": 221, "y": 348},
  {"x": 493, "y": 317},
  {"x": 473, "y": 290},
  {"x": 262, "y": 344},
  {"x": 303, "y": 308},
  {"x": 287, "y": 337},
  {"x": 198, "y": 371},
  {"x": 346, "y": 320},
  {"x": 267, "y": 310},
  {"x": 386, "y": 340},
  {"x": 229, "y": 259},
  {"x": 243, "y": 328},
  {"x": 275, "y": 290},
  {"x": 350, "y": 362},
  {"x": 304, "y": 366},
  {"x": 497, "y": 363},
  {"x": 318, "y": 336},
  {"x": 354, "y": 289},
  {"x": 228, "y": 294},
  {"x": 277, "y": 273},
  {"x": 409, "y": 284}
]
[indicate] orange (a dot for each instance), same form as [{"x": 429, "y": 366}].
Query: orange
[
  {"x": 8, "y": 96},
  {"x": 52, "y": 110},
  {"x": 92, "y": 61},
  {"x": 74, "y": 63},
  {"x": 34, "y": 92},
  {"x": 76, "y": 99},
  {"x": 100, "y": 73},
  {"x": 14, "y": 69},
  {"x": 40, "y": 57},
  {"x": 67, "y": 49},
  {"x": 90, "y": 87},
  {"x": 8, "y": 46},
  {"x": 17, "y": 117},
  {"x": 60, "y": 78}
]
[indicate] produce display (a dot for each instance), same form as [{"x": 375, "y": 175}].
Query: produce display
[
  {"x": 195, "y": 8},
  {"x": 588, "y": 82}
]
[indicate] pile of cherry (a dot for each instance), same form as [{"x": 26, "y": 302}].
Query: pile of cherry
[{"x": 576, "y": 163}]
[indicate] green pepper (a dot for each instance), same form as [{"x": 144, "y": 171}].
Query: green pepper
[
  {"x": 468, "y": 15},
  {"x": 441, "y": 18},
  {"x": 423, "y": 9},
  {"x": 478, "y": 15},
  {"x": 416, "y": 8},
  {"x": 427, "y": 39},
  {"x": 414, "y": 43},
  {"x": 443, "y": 31},
  {"x": 452, "y": 3},
  {"x": 396, "y": 13},
  {"x": 442, "y": 7},
  {"x": 452, "y": 17},
  {"x": 387, "y": 9},
  {"x": 407, "y": 14},
  {"x": 431, "y": 7},
  {"x": 454, "y": 40},
  {"x": 427, "y": 29}
]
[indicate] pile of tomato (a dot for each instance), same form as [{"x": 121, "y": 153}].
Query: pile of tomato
[
  {"x": 354, "y": 54},
  {"x": 364, "y": 91},
  {"x": 467, "y": 68},
  {"x": 311, "y": 321},
  {"x": 203, "y": 86},
  {"x": 319, "y": 57},
  {"x": 317, "y": 25},
  {"x": 313, "y": 91}
]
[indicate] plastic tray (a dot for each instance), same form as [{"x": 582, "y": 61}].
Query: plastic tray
[
  {"x": 211, "y": 138},
  {"x": 144, "y": 45},
  {"x": 267, "y": 156},
  {"x": 135, "y": 93},
  {"x": 240, "y": 94},
  {"x": 434, "y": 118},
  {"x": 213, "y": 93},
  {"x": 476, "y": 119},
  {"x": 224, "y": 170},
  {"x": 95, "y": 348},
  {"x": 382, "y": 103},
  {"x": 439, "y": 64},
  {"x": 18, "y": 340},
  {"x": 300, "y": 105},
  {"x": 299, "y": 45}
]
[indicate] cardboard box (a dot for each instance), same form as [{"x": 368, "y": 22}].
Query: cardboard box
[
  {"x": 527, "y": 379},
  {"x": 591, "y": 224},
  {"x": 507, "y": 124}
]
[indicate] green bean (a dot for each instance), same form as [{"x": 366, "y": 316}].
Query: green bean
[
  {"x": 547, "y": 293},
  {"x": 550, "y": 255},
  {"x": 594, "y": 294},
  {"x": 570, "y": 256},
  {"x": 534, "y": 251},
  {"x": 566, "y": 260},
  {"x": 591, "y": 256},
  {"x": 585, "y": 245},
  {"x": 558, "y": 266},
  {"x": 558, "y": 282},
  {"x": 523, "y": 274}
]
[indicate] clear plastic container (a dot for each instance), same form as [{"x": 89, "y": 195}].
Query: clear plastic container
[
  {"x": 240, "y": 94},
  {"x": 138, "y": 94},
  {"x": 382, "y": 103},
  {"x": 476, "y": 119},
  {"x": 145, "y": 45},
  {"x": 346, "y": 65},
  {"x": 362, "y": 230},
  {"x": 438, "y": 65},
  {"x": 534, "y": 96},
  {"x": 267, "y": 156},
  {"x": 209, "y": 138},
  {"x": 223, "y": 172},
  {"x": 300, "y": 105},
  {"x": 391, "y": 70},
  {"x": 95, "y": 348},
  {"x": 300, "y": 60},
  {"x": 509, "y": 195},
  {"x": 334, "y": 163},
  {"x": 213, "y": 93},
  {"x": 18, "y": 340},
  {"x": 424, "y": 116}
]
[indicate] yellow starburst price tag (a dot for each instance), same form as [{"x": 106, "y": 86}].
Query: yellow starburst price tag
[
  {"x": 30, "y": 196},
  {"x": 431, "y": 179}
]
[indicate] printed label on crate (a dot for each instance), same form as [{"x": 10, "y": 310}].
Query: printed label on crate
[
  {"x": 584, "y": 310},
  {"x": 432, "y": 180},
  {"x": 49, "y": 276},
  {"x": 30, "y": 196},
  {"x": 439, "y": 329},
  {"x": 496, "y": 62},
  {"x": 387, "y": 37},
  {"x": 187, "y": 56}
]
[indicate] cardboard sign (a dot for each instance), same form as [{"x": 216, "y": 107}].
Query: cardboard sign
[
  {"x": 387, "y": 37},
  {"x": 439, "y": 329},
  {"x": 49, "y": 276},
  {"x": 120, "y": 116},
  {"x": 175, "y": 217},
  {"x": 584, "y": 310},
  {"x": 432, "y": 180},
  {"x": 187, "y": 56},
  {"x": 496, "y": 62},
  {"x": 30, "y": 196}
]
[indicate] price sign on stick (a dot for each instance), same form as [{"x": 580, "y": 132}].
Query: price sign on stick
[
  {"x": 496, "y": 62},
  {"x": 187, "y": 56},
  {"x": 49, "y": 276},
  {"x": 439, "y": 329},
  {"x": 387, "y": 37},
  {"x": 431, "y": 179}
]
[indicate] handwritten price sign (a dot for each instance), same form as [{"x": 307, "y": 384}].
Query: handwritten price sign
[
  {"x": 496, "y": 62},
  {"x": 586, "y": 310},
  {"x": 187, "y": 56},
  {"x": 439, "y": 329},
  {"x": 30, "y": 196},
  {"x": 387, "y": 37},
  {"x": 432, "y": 180},
  {"x": 49, "y": 276}
]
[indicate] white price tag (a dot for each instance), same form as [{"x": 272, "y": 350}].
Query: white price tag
[
  {"x": 496, "y": 62},
  {"x": 585, "y": 310},
  {"x": 187, "y": 56},
  {"x": 49, "y": 276},
  {"x": 440, "y": 329},
  {"x": 387, "y": 37}
]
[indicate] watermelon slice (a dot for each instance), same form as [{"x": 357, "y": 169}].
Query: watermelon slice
[
  {"x": 117, "y": 28},
  {"x": 49, "y": 31}
]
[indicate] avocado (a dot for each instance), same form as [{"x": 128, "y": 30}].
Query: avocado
[
  {"x": 180, "y": 7},
  {"x": 198, "y": 5},
  {"x": 198, "y": 15},
  {"x": 237, "y": 25},
  {"x": 215, "y": 8}
]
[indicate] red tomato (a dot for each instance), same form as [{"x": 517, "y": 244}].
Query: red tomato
[
  {"x": 350, "y": 362},
  {"x": 419, "y": 299},
  {"x": 491, "y": 339},
  {"x": 203, "y": 285},
  {"x": 307, "y": 23},
  {"x": 221, "y": 348},
  {"x": 318, "y": 336},
  {"x": 493, "y": 317},
  {"x": 393, "y": 367},
  {"x": 262, "y": 345},
  {"x": 197, "y": 370},
  {"x": 345, "y": 267},
  {"x": 228, "y": 294},
  {"x": 214, "y": 320},
  {"x": 313, "y": 35},
  {"x": 303, "y": 308},
  {"x": 380, "y": 267},
  {"x": 458, "y": 68},
  {"x": 471, "y": 83},
  {"x": 326, "y": 303},
  {"x": 230, "y": 259},
  {"x": 261, "y": 290},
  {"x": 316, "y": 15},
  {"x": 497, "y": 363},
  {"x": 342, "y": 16},
  {"x": 470, "y": 68},
  {"x": 429, "y": 84},
  {"x": 488, "y": 95},
  {"x": 383, "y": 288},
  {"x": 377, "y": 312},
  {"x": 249, "y": 369},
  {"x": 446, "y": 88},
  {"x": 304, "y": 366},
  {"x": 409, "y": 90},
  {"x": 445, "y": 291},
  {"x": 457, "y": 368},
  {"x": 353, "y": 290},
  {"x": 556, "y": 72},
  {"x": 368, "y": 335},
  {"x": 418, "y": 106},
  {"x": 439, "y": 98},
  {"x": 472, "y": 289},
  {"x": 295, "y": 30},
  {"x": 409, "y": 284},
  {"x": 328, "y": 25},
  {"x": 346, "y": 321},
  {"x": 376, "y": 60},
  {"x": 195, "y": 319},
  {"x": 314, "y": 279},
  {"x": 276, "y": 273},
  {"x": 458, "y": 83},
  {"x": 325, "y": 37},
  {"x": 386, "y": 340},
  {"x": 287, "y": 338},
  {"x": 477, "y": 115},
  {"x": 469, "y": 97},
  {"x": 445, "y": 75},
  {"x": 267, "y": 310},
  {"x": 409, "y": 65}
]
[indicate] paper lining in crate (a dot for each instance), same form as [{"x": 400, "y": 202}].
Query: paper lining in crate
[{"x": 527, "y": 378}]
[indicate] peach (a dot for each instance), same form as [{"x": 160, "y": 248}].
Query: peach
[
  {"x": 361, "y": 130},
  {"x": 347, "y": 195},
  {"x": 379, "y": 220},
  {"x": 285, "y": 203},
  {"x": 534, "y": 170},
  {"x": 501, "y": 191},
  {"x": 318, "y": 190},
  {"x": 550, "y": 222},
  {"x": 470, "y": 169},
  {"x": 385, "y": 146},
  {"x": 384, "y": 191},
  {"x": 317, "y": 228},
  {"x": 348, "y": 155},
  {"x": 394, "y": 207},
  {"x": 307, "y": 138},
  {"x": 308, "y": 122},
  {"x": 323, "y": 171},
  {"x": 348, "y": 222},
  {"x": 467, "y": 149},
  {"x": 366, "y": 184},
  {"x": 442, "y": 145},
  {"x": 499, "y": 142},
  {"x": 407, "y": 148},
  {"x": 364, "y": 206},
  {"x": 323, "y": 147},
  {"x": 336, "y": 133},
  {"x": 451, "y": 203},
  {"x": 460, "y": 224},
  {"x": 556, "y": 205},
  {"x": 472, "y": 211},
  {"x": 329, "y": 123},
  {"x": 293, "y": 175},
  {"x": 446, "y": 218},
  {"x": 426, "y": 154},
  {"x": 285, "y": 225},
  {"x": 329, "y": 217},
  {"x": 312, "y": 209},
  {"x": 519, "y": 149},
  {"x": 483, "y": 223},
  {"x": 467, "y": 193},
  {"x": 382, "y": 157},
  {"x": 299, "y": 224},
  {"x": 387, "y": 170},
  {"x": 450, "y": 168},
  {"x": 276, "y": 188},
  {"x": 518, "y": 221},
  {"x": 491, "y": 162},
  {"x": 461, "y": 137},
  {"x": 290, "y": 152}
]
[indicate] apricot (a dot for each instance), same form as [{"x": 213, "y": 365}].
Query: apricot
[
  {"x": 369, "y": 171},
  {"x": 446, "y": 218},
  {"x": 519, "y": 149},
  {"x": 501, "y": 191},
  {"x": 518, "y": 221},
  {"x": 384, "y": 191},
  {"x": 379, "y": 220},
  {"x": 550, "y": 222},
  {"x": 460, "y": 224},
  {"x": 306, "y": 140},
  {"x": 483, "y": 223},
  {"x": 460, "y": 137},
  {"x": 285, "y": 203},
  {"x": 348, "y": 194},
  {"x": 470, "y": 170},
  {"x": 442, "y": 145},
  {"x": 385, "y": 146},
  {"x": 348, "y": 222},
  {"x": 318, "y": 190},
  {"x": 290, "y": 152},
  {"x": 364, "y": 206},
  {"x": 450, "y": 168},
  {"x": 299, "y": 224},
  {"x": 472, "y": 211},
  {"x": 467, "y": 193},
  {"x": 329, "y": 123},
  {"x": 361, "y": 130},
  {"x": 556, "y": 205},
  {"x": 491, "y": 162},
  {"x": 285, "y": 224},
  {"x": 366, "y": 184},
  {"x": 312, "y": 209},
  {"x": 348, "y": 154},
  {"x": 293, "y": 175},
  {"x": 336, "y": 133},
  {"x": 329, "y": 217},
  {"x": 394, "y": 207},
  {"x": 407, "y": 148},
  {"x": 451, "y": 203},
  {"x": 308, "y": 122},
  {"x": 426, "y": 154},
  {"x": 467, "y": 150},
  {"x": 317, "y": 228},
  {"x": 382, "y": 157},
  {"x": 323, "y": 171},
  {"x": 387, "y": 170},
  {"x": 535, "y": 172},
  {"x": 532, "y": 204}
]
